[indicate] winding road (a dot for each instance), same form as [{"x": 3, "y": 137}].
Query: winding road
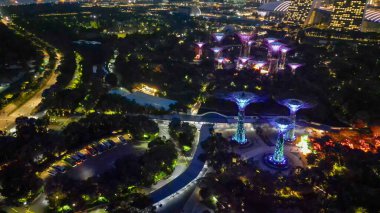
[{"x": 11, "y": 111}]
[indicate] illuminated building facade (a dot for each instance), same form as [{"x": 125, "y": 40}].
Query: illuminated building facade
[
  {"x": 299, "y": 11},
  {"x": 347, "y": 15}
]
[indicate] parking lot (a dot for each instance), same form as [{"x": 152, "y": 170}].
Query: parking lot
[
  {"x": 101, "y": 163},
  {"x": 85, "y": 163}
]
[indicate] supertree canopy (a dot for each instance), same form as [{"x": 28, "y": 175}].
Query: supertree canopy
[
  {"x": 275, "y": 47},
  {"x": 277, "y": 159},
  {"x": 216, "y": 50},
  {"x": 270, "y": 40},
  {"x": 293, "y": 105},
  {"x": 245, "y": 37},
  {"x": 199, "y": 52},
  {"x": 218, "y": 36},
  {"x": 242, "y": 99},
  {"x": 242, "y": 62},
  {"x": 200, "y": 44},
  {"x": 294, "y": 66}
]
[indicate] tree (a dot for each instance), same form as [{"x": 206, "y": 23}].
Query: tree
[{"x": 19, "y": 183}]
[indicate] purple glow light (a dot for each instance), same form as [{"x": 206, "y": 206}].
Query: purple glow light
[
  {"x": 271, "y": 40},
  {"x": 243, "y": 99},
  {"x": 295, "y": 104},
  {"x": 284, "y": 49},
  {"x": 251, "y": 42},
  {"x": 294, "y": 66},
  {"x": 276, "y": 46},
  {"x": 220, "y": 60},
  {"x": 218, "y": 36},
  {"x": 243, "y": 59},
  {"x": 245, "y": 37},
  {"x": 216, "y": 49},
  {"x": 200, "y": 44}
]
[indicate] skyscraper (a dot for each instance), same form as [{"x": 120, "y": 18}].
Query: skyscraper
[
  {"x": 347, "y": 15},
  {"x": 375, "y": 3},
  {"x": 299, "y": 11}
]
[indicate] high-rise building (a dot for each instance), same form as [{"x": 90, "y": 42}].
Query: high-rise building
[
  {"x": 348, "y": 15},
  {"x": 299, "y": 11},
  {"x": 375, "y": 3}
]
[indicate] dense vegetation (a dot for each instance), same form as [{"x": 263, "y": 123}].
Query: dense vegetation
[{"x": 338, "y": 179}]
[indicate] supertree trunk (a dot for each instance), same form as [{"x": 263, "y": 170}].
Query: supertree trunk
[
  {"x": 278, "y": 155},
  {"x": 290, "y": 135},
  {"x": 240, "y": 131}
]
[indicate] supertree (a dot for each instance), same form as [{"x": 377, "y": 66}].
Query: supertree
[
  {"x": 273, "y": 59},
  {"x": 270, "y": 40},
  {"x": 220, "y": 61},
  {"x": 293, "y": 105},
  {"x": 241, "y": 62},
  {"x": 294, "y": 67},
  {"x": 284, "y": 50},
  {"x": 277, "y": 160},
  {"x": 242, "y": 100},
  {"x": 218, "y": 37},
  {"x": 217, "y": 51},
  {"x": 199, "y": 50},
  {"x": 245, "y": 38}
]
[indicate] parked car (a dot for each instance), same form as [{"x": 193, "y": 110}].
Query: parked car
[
  {"x": 100, "y": 148},
  {"x": 81, "y": 155},
  {"x": 60, "y": 169},
  {"x": 122, "y": 140},
  {"x": 70, "y": 162},
  {"x": 109, "y": 144},
  {"x": 97, "y": 149},
  {"x": 52, "y": 172},
  {"x": 76, "y": 158},
  {"x": 112, "y": 142},
  {"x": 91, "y": 151}
]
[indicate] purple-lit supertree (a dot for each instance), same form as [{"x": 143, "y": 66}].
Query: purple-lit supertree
[
  {"x": 218, "y": 37},
  {"x": 278, "y": 160},
  {"x": 294, "y": 67},
  {"x": 242, "y": 99},
  {"x": 284, "y": 50},
  {"x": 245, "y": 38},
  {"x": 241, "y": 63},
  {"x": 220, "y": 61},
  {"x": 270, "y": 41},
  {"x": 293, "y": 105},
  {"x": 217, "y": 55},
  {"x": 199, "y": 50},
  {"x": 217, "y": 51},
  {"x": 274, "y": 56}
]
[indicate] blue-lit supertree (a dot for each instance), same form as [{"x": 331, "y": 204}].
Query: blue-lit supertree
[
  {"x": 242, "y": 99},
  {"x": 277, "y": 159},
  {"x": 293, "y": 105}
]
